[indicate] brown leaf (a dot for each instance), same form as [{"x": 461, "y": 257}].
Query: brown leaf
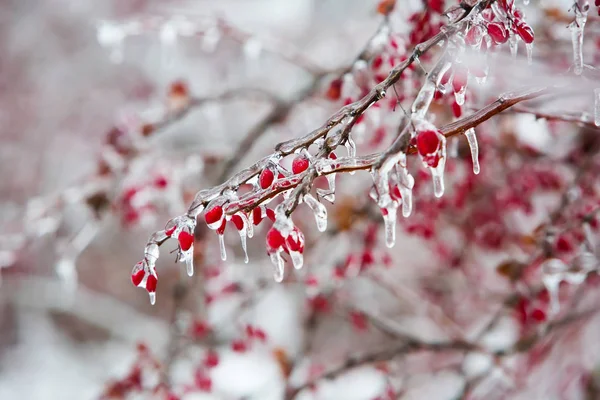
[{"x": 283, "y": 361}]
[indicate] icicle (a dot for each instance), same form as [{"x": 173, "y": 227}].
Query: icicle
[
  {"x": 277, "y": 261},
  {"x": 553, "y": 271},
  {"x": 437, "y": 174},
  {"x": 189, "y": 264},
  {"x": 513, "y": 43},
  {"x": 389, "y": 221},
  {"x": 421, "y": 104},
  {"x": 529, "y": 48},
  {"x": 460, "y": 96},
  {"x": 577, "y": 27},
  {"x": 328, "y": 195},
  {"x": 152, "y": 296},
  {"x": 453, "y": 148},
  {"x": 222, "y": 247},
  {"x": 319, "y": 211},
  {"x": 351, "y": 148},
  {"x": 597, "y": 107},
  {"x": 472, "y": 139},
  {"x": 244, "y": 247},
  {"x": 297, "y": 259},
  {"x": 407, "y": 182}
]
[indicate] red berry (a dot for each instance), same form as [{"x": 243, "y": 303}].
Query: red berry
[
  {"x": 257, "y": 216},
  {"x": 524, "y": 31},
  {"x": 459, "y": 80},
  {"x": 170, "y": 231},
  {"x": 474, "y": 35},
  {"x": 179, "y": 88},
  {"x": 320, "y": 303},
  {"x": 211, "y": 360},
  {"x": 456, "y": 110},
  {"x": 427, "y": 142},
  {"x": 497, "y": 32},
  {"x": 213, "y": 215},
  {"x": 274, "y": 239},
  {"x": 221, "y": 229},
  {"x": 377, "y": 62},
  {"x": 151, "y": 283},
  {"x": 299, "y": 164},
  {"x": 238, "y": 222},
  {"x": 359, "y": 321},
  {"x": 137, "y": 277},
  {"x": 271, "y": 214},
  {"x": 538, "y": 315},
  {"x": 266, "y": 178},
  {"x": 186, "y": 240},
  {"x": 203, "y": 382},
  {"x": 260, "y": 334},
  {"x": 335, "y": 90},
  {"x": 295, "y": 241},
  {"x": 161, "y": 182},
  {"x": 238, "y": 346},
  {"x": 564, "y": 244}
]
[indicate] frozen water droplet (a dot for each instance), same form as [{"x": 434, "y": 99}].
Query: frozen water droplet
[
  {"x": 389, "y": 221},
  {"x": 222, "y": 247},
  {"x": 278, "y": 265},
  {"x": 529, "y": 48},
  {"x": 319, "y": 211},
  {"x": 152, "y": 296},
  {"x": 472, "y": 139},
  {"x": 597, "y": 107}
]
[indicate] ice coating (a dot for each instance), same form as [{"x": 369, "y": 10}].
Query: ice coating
[
  {"x": 319, "y": 211},
  {"x": 472, "y": 140}
]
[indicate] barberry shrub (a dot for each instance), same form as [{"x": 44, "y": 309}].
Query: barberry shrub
[{"x": 442, "y": 221}]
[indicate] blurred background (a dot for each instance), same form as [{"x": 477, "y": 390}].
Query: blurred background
[{"x": 76, "y": 74}]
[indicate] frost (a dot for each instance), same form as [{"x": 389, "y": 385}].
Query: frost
[
  {"x": 319, "y": 211},
  {"x": 472, "y": 139}
]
